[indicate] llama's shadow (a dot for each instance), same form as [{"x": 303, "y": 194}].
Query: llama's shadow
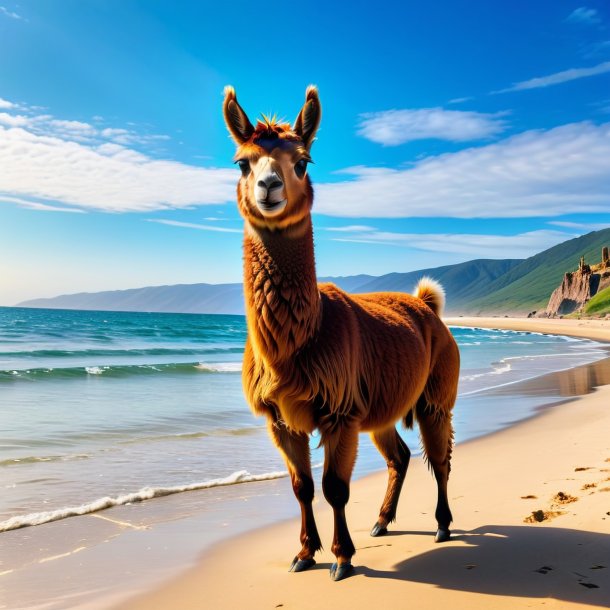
[{"x": 521, "y": 561}]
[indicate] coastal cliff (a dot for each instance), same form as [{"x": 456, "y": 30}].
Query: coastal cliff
[{"x": 579, "y": 287}]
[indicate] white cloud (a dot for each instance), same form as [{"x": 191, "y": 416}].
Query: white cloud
[
  {"x": 75, "y": 127},
  {"x": 193, "y": 225},
  {"x": 581, "y": 226},
  {"x": 584, "y": 14},
  {"x": 558, "y": 78},
  {"x": 13, "y": 120},
  {"x": 351, "y": 229},
  {"x": 536, "y": 173},
  {"x": 11, "y": 14},
  {"x": 55, "y": 164},
  {"x": 472, "y": 245},
  {"x": 45, "y": 168},
  {"x": 393, "y": 127}
]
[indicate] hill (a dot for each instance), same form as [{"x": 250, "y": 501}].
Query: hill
[
  {"x": 482, "y": 286},
  {"x": 460, "y": 281},
  {"x": 528, "y": 286},
  {"x": 181, "y": 298}
]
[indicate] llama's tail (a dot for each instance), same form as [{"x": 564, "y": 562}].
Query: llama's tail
[{"x": 431, "y": 293}]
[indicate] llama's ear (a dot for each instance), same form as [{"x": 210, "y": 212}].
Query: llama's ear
[
  {"x": 308, "y": 121},
  {"x": 236, "y": 119}
]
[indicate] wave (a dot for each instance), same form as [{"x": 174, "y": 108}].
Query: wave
[
  {"x": 122, "y": 370},
  {"x": 146, "y": 493},
  {"x": 36, "y": 459},
  {"x": 195, "y": 435},
  {"x": 113, "y": 353}
]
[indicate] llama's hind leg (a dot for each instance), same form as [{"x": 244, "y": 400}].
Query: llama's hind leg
[
  {"x": 295, "y": 449},
  {"x": 437, "y": 436},
  {"x": 397, "y": 455}
]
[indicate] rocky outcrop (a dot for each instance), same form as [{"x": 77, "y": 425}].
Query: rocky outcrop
[
  {"x": 575, "y": 290},
  {"x": 578, "y": 287}
]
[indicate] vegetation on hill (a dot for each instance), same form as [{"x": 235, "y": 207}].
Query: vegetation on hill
[{"x": 599, "y": 304}]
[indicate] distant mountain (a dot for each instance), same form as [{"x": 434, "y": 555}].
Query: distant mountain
[
  {"x": 181, "y": 298},
  {"x": 476, "y": 287},
  {"x": 461, "y": 281}
]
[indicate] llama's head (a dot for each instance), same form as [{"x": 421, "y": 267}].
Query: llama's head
[{"x": 274, "y": 190}]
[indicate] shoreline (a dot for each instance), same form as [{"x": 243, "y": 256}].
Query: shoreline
[
  {"x": 595, "y": 329},
  {"x": 495, "y": 559},
  {"x": 172, "y": 527}
]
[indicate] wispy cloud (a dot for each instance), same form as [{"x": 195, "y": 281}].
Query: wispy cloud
[
  {"x": 584, "y": 227},
  {"x": 40, "y": 207},
  {"x": 193, "y": 225},
  {"x": 460, "y": 100},
  {"x": 479, "y": 246},
  {"x": 558, "y": 78},
  {"x": 29, "y": 117},
  {"x": 49, "y": 163},
  {"x": 394, "y": 127},
  {"x": 8, "y": 13},
  {"x": 584, "y": 14},
  {"x": 107, "y": 177},
  {"x": 536, "y": 173},
  {"x": 351, "y": 229}
]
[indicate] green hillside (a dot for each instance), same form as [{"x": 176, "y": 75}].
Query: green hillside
[
  {"x": 599, "y": 304},
  {"x": 528, "y": 286},
  {"x": 462, "y": 282}
]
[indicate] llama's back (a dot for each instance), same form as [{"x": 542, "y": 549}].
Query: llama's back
[{"x": 396, "y": 339}]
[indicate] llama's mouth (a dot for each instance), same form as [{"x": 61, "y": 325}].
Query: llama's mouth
[{"x": 271, "y": 208}]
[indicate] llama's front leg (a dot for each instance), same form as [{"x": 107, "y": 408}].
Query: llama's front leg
[
  {"x": 295, "y": 449},
  {"x": 339, "y": 456}
]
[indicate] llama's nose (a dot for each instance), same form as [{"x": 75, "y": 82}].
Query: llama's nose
[{"x": 270, "y": 182}]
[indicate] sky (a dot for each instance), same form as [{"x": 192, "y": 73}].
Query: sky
[{"x": 450, "y": 131}]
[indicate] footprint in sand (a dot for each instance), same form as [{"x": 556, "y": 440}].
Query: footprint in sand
[
  {"x": 563, "y": 498},
  {"x": 538, "y": 516}
]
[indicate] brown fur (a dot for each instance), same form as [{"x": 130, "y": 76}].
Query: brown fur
[{"x": 319, "y": 358}]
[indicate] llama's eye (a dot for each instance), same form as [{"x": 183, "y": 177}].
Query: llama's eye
[
  {"x": 300, "y": 168},
  {"x": 244, "y": 165}
]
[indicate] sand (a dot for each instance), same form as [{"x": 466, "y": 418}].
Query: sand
[{"x": 555, "y": 466}]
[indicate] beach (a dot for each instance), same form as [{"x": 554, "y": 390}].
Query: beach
[{"x": 165, "y": 554}]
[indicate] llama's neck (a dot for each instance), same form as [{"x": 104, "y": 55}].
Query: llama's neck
[{"x": 282, "y": 298}]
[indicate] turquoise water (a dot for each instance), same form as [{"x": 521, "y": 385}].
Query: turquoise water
[{"x": 99, "y": 408}]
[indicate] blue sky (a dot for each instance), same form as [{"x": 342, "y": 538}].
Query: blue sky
[{"x": 450, "y": 131}]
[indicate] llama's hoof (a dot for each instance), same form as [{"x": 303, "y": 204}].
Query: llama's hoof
[
  {"x": 442, "y": 535},
  {"x": 378, "y": 530},
  {"x": 339, "y": 572},
  {"x": 300, "y": 565}
]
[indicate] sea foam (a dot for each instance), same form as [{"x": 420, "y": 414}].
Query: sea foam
[{"x": 146, "y": 493}]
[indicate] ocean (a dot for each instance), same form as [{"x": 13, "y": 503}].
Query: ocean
[{"x": 105, "y": 408}]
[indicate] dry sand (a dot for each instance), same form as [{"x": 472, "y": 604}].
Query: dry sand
[{"x": 557, "y": 463}]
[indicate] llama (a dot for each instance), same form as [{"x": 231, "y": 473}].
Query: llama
[{"x": 319, "y": 358}]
